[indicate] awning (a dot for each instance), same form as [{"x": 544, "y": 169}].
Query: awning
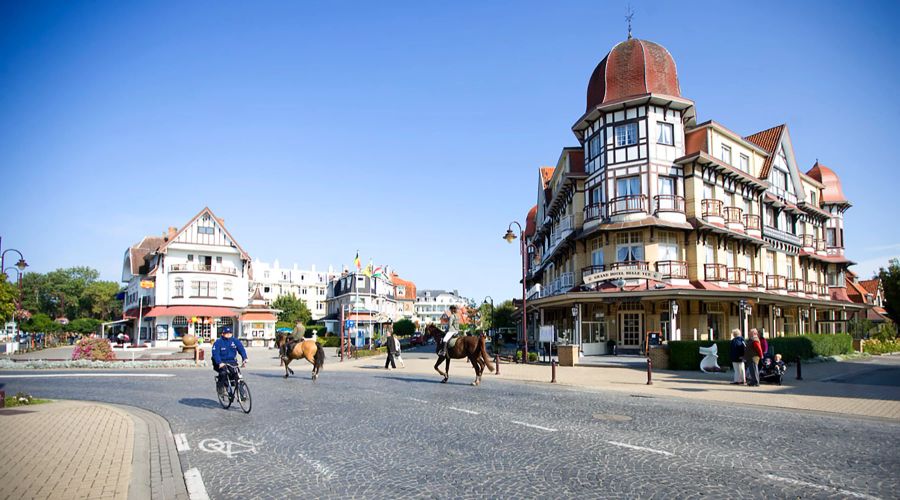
[
  {"x": 203, "y": 311},
  {"x": 257, "y": 316}
]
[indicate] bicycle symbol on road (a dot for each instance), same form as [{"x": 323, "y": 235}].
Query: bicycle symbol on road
[{"x": 227, "y": 448}]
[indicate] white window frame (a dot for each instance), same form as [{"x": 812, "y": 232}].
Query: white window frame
[
  {"x": 726, "y": 154},
  {"x": 666, "y": 134},
  {"x": 626, "y": 134}
]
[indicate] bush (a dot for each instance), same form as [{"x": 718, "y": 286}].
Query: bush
[
  {"x": 532, "y": 356},
  {"x": 371, "y": 352},
  {"x": 886, "y": 332},
  {"x": 94, "y": 350},
  {"x": 404, "y": 328},
  {"x": 881, "y": 346},
  {"x": 685, "y": 354},
  {"x": 330, "y": 341}
]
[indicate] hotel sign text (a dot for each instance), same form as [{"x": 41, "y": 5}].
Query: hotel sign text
[{"x": 625, "y": 274}]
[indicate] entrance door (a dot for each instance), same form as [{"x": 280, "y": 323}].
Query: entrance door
[
  {"x": 714, "y": 321},
  {"x": 630, "y": 326},
  {"x": 593, "y": 335}
]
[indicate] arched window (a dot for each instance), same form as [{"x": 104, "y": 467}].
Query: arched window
[
  {"x": 179, "y": 288},
  {"x": 180, "y": 326}
]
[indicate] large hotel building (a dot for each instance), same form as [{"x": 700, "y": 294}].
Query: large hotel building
[{"x": 657, "y": 223}]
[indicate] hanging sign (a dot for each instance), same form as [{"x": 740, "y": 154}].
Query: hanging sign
[{"x": 624, "y": 274}]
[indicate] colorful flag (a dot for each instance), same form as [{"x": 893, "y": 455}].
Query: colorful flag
[
  {"x": 368, "y": 271},
  {"x": 356, "y": 261},
  {"x": 378, "y": 272}
]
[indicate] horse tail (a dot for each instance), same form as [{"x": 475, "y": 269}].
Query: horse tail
[
  {"x": 484, "y": 354},
  {"x": 320, "y": 356}
]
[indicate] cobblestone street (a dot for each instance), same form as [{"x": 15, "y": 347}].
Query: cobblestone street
[{"x": 378, "y": 434}]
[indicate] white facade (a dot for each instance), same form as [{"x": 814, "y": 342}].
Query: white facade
[
  {"x": 310, "y": 286},
  {"x": 431, "y": 305},
  {"x": 368, "y": 301},
  {"x": 199, "y": 277}
]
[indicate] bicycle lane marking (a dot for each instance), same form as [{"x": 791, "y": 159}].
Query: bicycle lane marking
[{"x": 181, "y": 442}]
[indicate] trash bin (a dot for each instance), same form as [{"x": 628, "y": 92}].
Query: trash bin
[{"x": 611, "y": 347}]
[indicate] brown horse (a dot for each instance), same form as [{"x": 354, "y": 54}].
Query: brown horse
[
  {"x": 466, "y": 347},
  {"x": 309, "y": 350}
]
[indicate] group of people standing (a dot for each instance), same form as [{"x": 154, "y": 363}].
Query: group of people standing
[{"x": 748, "y": 352}]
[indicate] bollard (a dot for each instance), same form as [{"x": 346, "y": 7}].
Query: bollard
[
  {"x": 2, "y": 399},
  {"x": 799, "y": 371},
  {"x": 649, "y": 372},
  {"x": 496, "y": 364},
  {"x": 553, "y": 371}
]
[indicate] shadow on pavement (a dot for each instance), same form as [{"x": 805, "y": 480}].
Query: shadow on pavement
[
  {"x": 436, "y": 380},
  {"x": 199, "y": 402}
]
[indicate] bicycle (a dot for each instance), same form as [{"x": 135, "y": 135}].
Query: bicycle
[{"x": 234, "y": 387}]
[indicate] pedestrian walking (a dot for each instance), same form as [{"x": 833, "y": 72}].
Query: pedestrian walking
[
  {"x": 391, "y": 351},
  {"x": 752, "y": 355},
  {"x": 737, "y": 357},
  {"x": 397, "y": 352}
]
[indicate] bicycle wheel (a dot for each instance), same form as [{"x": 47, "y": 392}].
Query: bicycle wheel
[
  {"x": 222, "y": 391},
  {"x": 243, "y": 396}
]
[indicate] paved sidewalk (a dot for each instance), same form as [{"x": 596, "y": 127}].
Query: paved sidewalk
[{"x": 73, "y": 449}]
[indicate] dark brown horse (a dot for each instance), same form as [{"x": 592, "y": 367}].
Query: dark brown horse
[
  {"x": 465, "y": 347},
  {"x": 308, "y": 349}
]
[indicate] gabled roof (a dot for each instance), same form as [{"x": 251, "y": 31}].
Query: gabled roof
[
  {"x": 219, "y": 221},
  {"x": 530, "y": 222},
  {"x": 768, "y": 140},
  {"x": 137, "y": 253},
  {"x": 546, "y": 175},
  {"x": 872, "y": 285}
]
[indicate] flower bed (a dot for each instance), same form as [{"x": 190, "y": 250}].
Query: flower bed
[
  {"x": 40, "y": 364},
  {"x": 881, "y": 346},
  {"x": 94, "y": 350}
]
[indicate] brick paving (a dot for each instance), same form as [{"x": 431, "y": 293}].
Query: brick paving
[{"x": 65, "y": 450}]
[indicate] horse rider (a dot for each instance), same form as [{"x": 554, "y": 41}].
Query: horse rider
[
  {"x": 295, "y": 337},
  {"x": 452, "y": 330}
]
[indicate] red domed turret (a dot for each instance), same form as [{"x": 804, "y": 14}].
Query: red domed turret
[
  {"x": 832, "y": 192},
  {"x": 633, "y": 68}
]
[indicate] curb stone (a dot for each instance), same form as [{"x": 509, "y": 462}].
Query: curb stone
[{"x": 156, "y": 469}]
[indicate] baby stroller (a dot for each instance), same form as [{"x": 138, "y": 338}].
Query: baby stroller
[{"x": 771, "y": 371}]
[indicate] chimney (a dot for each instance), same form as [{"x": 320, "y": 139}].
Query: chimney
[{"x": 171, "y": 233}]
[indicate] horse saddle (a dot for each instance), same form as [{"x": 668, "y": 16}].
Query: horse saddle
[{"x": 452, "y": 342}]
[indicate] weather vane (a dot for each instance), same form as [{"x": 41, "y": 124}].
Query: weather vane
[{"x": 630, "y": 14}]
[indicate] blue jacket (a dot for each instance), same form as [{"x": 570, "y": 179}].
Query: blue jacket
[{"x": 226, "y": 350}]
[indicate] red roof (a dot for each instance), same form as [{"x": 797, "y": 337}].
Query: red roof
[
  {"x": 871, "y": 286},
  {"x": 546, "y": 175},
  {"x": 633, "y": 68},
  {"x": 529, "y": 221},
  {"x": 213, "y": 311},
  {"x": 256, "y": 316},
  {"x": 767, "y": 139},
  {"x": 832, "y": 192}
]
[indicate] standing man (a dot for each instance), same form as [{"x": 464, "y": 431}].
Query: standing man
[
  {"x": 391, "y": 351},
  {"x": 737, "y": 357}
]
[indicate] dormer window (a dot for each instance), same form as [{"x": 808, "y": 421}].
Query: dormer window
[
  {"x": 666, "y": 134},
  {"x": 626, "y": 134}
]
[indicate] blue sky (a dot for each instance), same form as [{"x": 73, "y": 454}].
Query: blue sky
[{"x": 411, "y": 131}]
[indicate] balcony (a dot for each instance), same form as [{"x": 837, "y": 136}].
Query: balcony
[
  {"x": 630, "y": 265},
  {"x": 674, "y": 269},
  {"x": 820, "y": 245},
  {"x": 631, "y": 204},
  {"x": 782, "y": 235},
  {"x": 566, "y": 282},
  {"x": 593, "y": 211},
  {"x": 812, "y": 288},
  {"x": 589, "y": 270},
  {"x": 794, "y": 285},
  {"x": 734, "y": 215},
  {"x": 775, "y": 282},
  {"x": 756, "y": 279},
  {"x": 736, "y": 275},
  {"x": 808, "y": 241},
  {"x": 202, "y": 268},
  {"x": 823, "y": 290},
  {"x": 714, "y": 272},
  {"x": 751, "y": 222},
  {"x": 669, "y": 203},
  {"x": 711, "y": 208}
]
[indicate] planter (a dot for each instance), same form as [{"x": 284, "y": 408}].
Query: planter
[
  {"x": 659, "y": 356},
  {"x": 568, "y": 355}
]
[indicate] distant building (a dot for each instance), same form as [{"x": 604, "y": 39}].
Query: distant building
[
  {"x": 367, "y": 301},
  {"x": 310, "y": 286},
  {"x": 405, "y": 293},
  {"x": 433, "y": 305}
]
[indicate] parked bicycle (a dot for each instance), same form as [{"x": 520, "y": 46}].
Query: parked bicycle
[{"x": 234, "y": 388}]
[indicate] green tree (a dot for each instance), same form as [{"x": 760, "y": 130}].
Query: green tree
[
  {"x": 292, "y": 309},
  {"x": 99, "y": 300},
  {"x": 503, "y": 314},
  {"x": 8, "y": 295},
  {"x": 890, "y": 280},
  {"x": 487, "y": 319},
  {"x": 41, "y": 323},
  {"x": 404, "y": 328},
  {"x": 84, "y": 325}
]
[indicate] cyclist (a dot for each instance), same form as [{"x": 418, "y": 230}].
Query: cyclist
[{"x": 224, "y": 352}]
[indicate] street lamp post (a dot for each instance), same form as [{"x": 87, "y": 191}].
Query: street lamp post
[
  {"x": 20, "y": 267},
  {"x": 509, "y": 237}
]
